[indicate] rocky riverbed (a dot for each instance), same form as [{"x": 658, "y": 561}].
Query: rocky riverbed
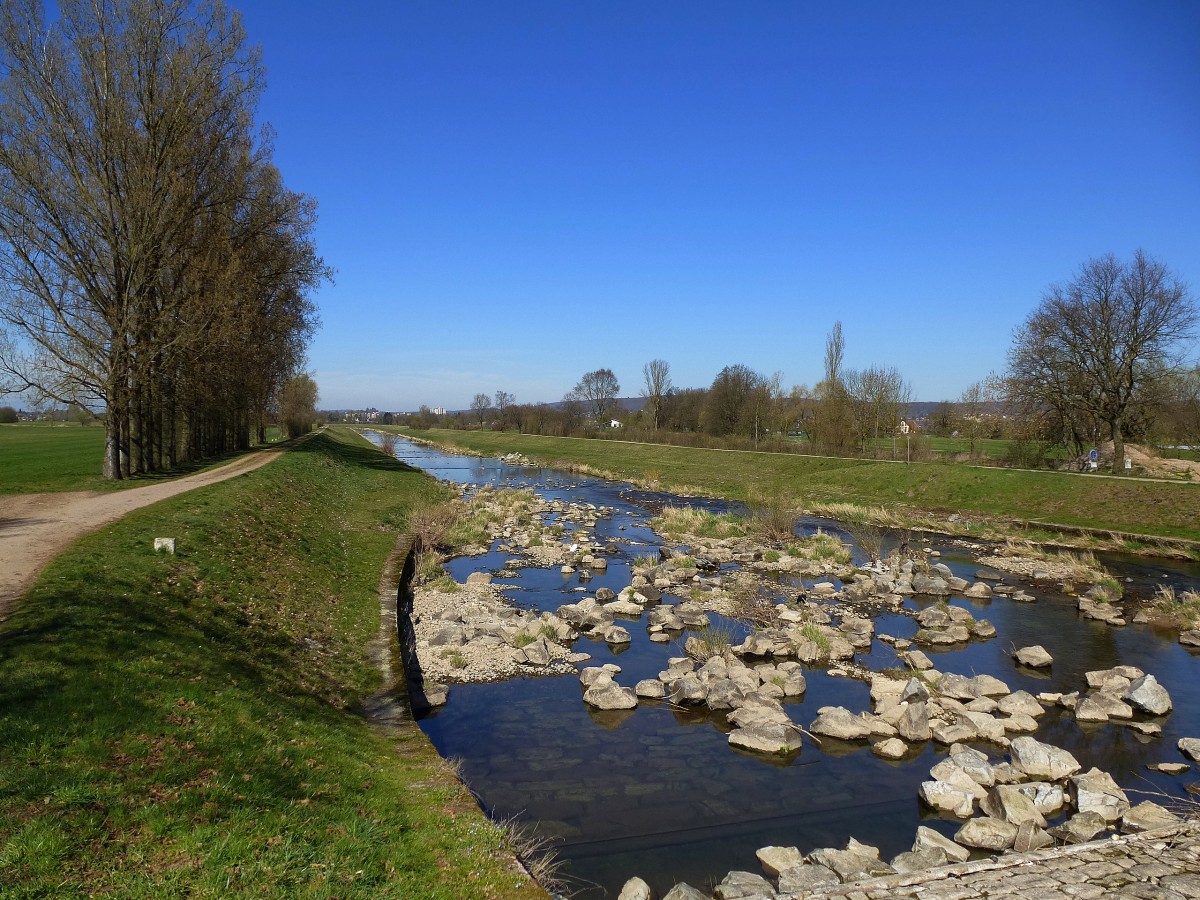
[{"x": 747, "y": 622}]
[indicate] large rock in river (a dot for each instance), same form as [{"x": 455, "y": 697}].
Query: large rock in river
[
  {"x": 1035, "y": 657},
  {"x": 1041, "y": 761},
  {"x": 607, "y": 694},
  {"x": 1095, "y": 791},
  {"x": 1149, "y": 696},
  {"x": 986, "y": 833},
  {"x": 840, "y": 723},
  {"x": 767, "y": 737}
]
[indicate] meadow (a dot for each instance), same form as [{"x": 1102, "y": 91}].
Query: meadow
[{"x": 37, "y": 457}]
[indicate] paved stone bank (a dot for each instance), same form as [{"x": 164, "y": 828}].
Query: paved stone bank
[{"x": 1156, "y": 865}]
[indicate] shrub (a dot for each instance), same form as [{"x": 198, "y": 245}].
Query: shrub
[
  {"x": 432, "y": 524},
  {"x": 8, "y": 415},
  {"x": 774, "y": 518}
]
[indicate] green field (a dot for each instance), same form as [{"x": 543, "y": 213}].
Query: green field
[
  {"x": 37, "y": 458},
  {"x": 190, "y": 725},
  {"x": 1108, "y": 504},
  {"x": 992, "y": 448}
]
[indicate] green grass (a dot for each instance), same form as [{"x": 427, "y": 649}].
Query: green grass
[
  {"x": 37, "y": 458},
  {"x": 189, "y": 725},
  {"x": 996, "y": 448},
  {"x": 1152, "y": 508}
]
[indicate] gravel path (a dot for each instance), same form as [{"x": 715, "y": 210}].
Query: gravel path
[{"x": 34, "y": 528}]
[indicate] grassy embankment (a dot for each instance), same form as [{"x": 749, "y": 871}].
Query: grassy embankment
[
  {"x": 993, "y": 448},
  {"x": 987, "y": 500},
  {"x": 189, "y": 725},
  {"x": 37, "y": 458}
]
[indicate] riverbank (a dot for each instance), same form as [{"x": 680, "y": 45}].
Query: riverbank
[
  {"x": 988, "y": 504},
  {"x": 191, "y": 723}
]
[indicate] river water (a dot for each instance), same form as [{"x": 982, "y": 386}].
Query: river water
[{"x": 659, "y": 793}]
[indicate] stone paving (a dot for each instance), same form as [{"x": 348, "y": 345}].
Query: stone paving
[{"x": 1157, "y": 865}]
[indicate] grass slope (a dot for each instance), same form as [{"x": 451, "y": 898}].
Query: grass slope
[
  {"x": 1153, "y": 508},
  {"x": 187, "y": 725}
]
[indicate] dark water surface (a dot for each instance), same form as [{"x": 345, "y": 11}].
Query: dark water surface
[{"x": 659, "y": 793}]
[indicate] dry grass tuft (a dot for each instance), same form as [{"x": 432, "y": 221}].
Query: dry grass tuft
[{"x": 773, "y": 518}]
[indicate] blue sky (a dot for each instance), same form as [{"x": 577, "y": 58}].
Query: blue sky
[{"x": 515, "y": 193}]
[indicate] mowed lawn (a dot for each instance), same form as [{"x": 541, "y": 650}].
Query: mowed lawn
[
  {"x": 1109, "y": 504},
  {"x": 36, "y": 458},
  {"x": 41, "y": 458},
  {"x": 191, "y": 724}
]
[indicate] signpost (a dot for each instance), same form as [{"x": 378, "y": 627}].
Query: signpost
[{"x": 904, "y": 429}]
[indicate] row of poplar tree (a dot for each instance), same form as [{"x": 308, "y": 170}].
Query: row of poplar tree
[{"x": 152, "y": 262}]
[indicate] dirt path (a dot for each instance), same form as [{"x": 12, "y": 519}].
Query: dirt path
[{"x": 34, "y": 528}]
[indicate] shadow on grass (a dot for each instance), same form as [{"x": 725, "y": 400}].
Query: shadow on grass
[{"x": 353, "y": 454}]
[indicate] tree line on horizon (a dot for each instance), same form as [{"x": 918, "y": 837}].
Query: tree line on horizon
[
  {"x": 156, "y": 269},
  {"x": 1103, "y": 357}
]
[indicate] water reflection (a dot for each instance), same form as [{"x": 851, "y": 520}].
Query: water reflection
[{"x": 657, "y": 791}]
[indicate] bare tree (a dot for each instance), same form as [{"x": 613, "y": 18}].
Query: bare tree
[
  {"x": 148, "y": 254},
  {"x": 503, "y": 401},
  {"x": 597, "y": 389},
  {"x": 877, "y": 396},
  {"x": 1181, "y": 424},
  {"x": 480, "y": 404},
  {"x": 657, "y": 375},
  {"x": 1103, "y": 342},
  {"x": 974, "y": 408}
]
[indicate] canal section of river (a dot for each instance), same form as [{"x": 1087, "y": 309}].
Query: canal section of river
[{"x": 658, "y": 792}]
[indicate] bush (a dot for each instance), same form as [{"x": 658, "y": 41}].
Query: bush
[
  {"x": 1025, "y": 454},
  {"x": 774, "y": 517},
  {"x": 432, "y": 525},
  {"x": 8, "y": 415}
]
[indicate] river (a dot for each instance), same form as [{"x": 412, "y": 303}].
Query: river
[{"x": 659, "y": 793}]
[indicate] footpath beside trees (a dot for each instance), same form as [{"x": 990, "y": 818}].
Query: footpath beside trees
[
  {"x": 156, "y": 265},
  {"x": 1102, "y": 347}
]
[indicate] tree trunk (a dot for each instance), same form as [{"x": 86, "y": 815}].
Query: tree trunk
[
  {"x": 1118, "y": 462},
  {"x": 112, "y": 447}
]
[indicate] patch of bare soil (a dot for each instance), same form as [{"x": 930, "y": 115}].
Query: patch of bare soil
[
  {"x": 34, "y": 528},
  {"x": 1155, "y": 466}
]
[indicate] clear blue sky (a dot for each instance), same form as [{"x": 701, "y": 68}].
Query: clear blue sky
[{"x": 514, "y": 193}]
